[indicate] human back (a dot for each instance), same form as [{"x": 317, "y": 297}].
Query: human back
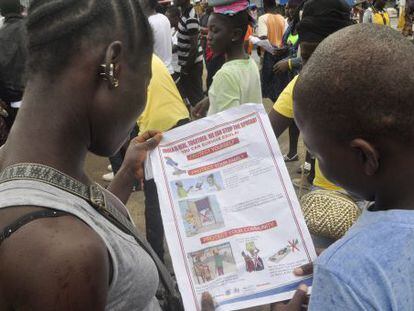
[
  {"x": 365, "y": 272},
  {"x": 161, "y": 29},
  {"x": 236, "y": 83},
  {"x": 275, "y": 26}
]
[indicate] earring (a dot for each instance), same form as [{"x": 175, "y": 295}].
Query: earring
[{"x": 107, "y": 74}]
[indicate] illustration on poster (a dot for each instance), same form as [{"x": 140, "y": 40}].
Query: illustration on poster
[
  {"x": 212, "y": 262},
  {"x": 185, "y": 188},
  {"x": 285, "y": 251},
  {"x": 252, "y": 259},
  {"x": 201, "y": 215},
  {"x": 177, "y": 171}
]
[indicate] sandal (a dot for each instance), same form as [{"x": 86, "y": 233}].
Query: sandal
[{"x": 291, "y": 159}]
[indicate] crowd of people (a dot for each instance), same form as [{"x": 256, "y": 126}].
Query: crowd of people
[{"x": 108, "y": 77}]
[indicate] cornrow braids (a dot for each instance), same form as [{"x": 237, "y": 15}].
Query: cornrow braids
[{"x": 56, "y": 29}]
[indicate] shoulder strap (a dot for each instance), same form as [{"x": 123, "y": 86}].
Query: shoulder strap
[
  {"x": 25, "y": 219},
  {"x": 95, "y": 196}
]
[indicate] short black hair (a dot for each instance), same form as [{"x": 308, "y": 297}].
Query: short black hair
[
  {"x": 174, "y": 11},
  {"x": 269, "y": 4},
  {"x": 320, "y": 18},
  {"x": 153, "y": 4},
  {"x": 364, "y": 92},
  {"x": 239, "y": 20},
  {"x": 56, "y": 29},
  {"x": 10, "y": 7}
]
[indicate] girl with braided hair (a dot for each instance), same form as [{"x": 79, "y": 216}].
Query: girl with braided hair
[{"x": 89, "y": 64}]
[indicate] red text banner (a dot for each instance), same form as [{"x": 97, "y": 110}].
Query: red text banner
[
  {"x": 237, "y": 231},
  {"x": 213, "y": 166}
]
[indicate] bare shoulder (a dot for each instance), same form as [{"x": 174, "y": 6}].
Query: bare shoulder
[{"x": 54, "y": 264}]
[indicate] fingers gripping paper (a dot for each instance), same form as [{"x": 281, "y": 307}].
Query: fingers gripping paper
[{"x": 232, "y": 220}]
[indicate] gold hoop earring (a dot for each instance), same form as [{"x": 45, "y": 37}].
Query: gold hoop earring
[{"x": 108, "y": 74}]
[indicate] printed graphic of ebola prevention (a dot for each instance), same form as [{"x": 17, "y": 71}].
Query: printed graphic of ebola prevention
[{"x": 232, "y": 220}]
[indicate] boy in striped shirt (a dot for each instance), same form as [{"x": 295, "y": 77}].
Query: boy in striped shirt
[{"x": 190, "y": 54}]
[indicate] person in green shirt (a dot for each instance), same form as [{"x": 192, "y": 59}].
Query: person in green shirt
[
  {"x": 181, "y": 191},
  {"x": 218, "y": 260},
  {"x": 238, "y": 81}
]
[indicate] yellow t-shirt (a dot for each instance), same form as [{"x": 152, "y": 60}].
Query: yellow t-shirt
[
  {"x": 284, "y": 103},
  {"x": 164, "y": 107},
  {"x": 321, "y": 182},
  {"x": 284, "y": 106},
  {"x": 381, "y": 18}
]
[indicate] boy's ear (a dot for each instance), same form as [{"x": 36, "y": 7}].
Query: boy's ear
[
  {"x": 237, "y": 35},
  {"x": 367, "y": 154}
]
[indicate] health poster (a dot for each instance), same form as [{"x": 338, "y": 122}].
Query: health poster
[{"x": 232, "y": 220}]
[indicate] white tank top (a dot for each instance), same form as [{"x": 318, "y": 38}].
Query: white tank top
[{"x": 135, "y": 277}]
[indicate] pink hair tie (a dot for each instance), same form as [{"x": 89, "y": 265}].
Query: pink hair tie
[{"x": 232, "y": 8}]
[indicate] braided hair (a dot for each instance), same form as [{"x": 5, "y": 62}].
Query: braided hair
[{"x": 56, "y": 29}]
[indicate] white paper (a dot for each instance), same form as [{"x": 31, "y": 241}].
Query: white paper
[
  {"x": 265, "y": 44},
  {"x": 16, "y": 105},
  {"x": 232, "y": 220}
]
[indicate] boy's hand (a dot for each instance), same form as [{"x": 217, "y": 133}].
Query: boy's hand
[
  {"x": 207, "y": 303},
  {"x": 299, "y": 301},
  {"x": 281, "y": 66},
  {"x": 304, "y": 270},
  {"x": 308, "y": 268}
]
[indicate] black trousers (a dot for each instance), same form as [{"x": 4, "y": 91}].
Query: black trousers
[
  {"x": 272, "y": 84},
  {"x": 191, "y": 84},
  {"x": 153, "y": 221}
]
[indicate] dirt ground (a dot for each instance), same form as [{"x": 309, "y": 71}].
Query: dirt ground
[{"x": 97, "y": 166}]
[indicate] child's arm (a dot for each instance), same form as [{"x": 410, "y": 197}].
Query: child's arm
[{"x": 281, "y": 116}]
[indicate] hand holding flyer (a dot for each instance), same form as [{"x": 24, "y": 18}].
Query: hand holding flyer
[
  {"x": 265, "y": 44},
  {"x": 232, "y": 219}
]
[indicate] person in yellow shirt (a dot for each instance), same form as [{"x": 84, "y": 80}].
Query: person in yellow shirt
[
  {"x": 165, "y": 109},
  {"x": 325, "y": 18},
  {"x": 376, "y": 14},
  {"x": 284, "y": 107}
]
